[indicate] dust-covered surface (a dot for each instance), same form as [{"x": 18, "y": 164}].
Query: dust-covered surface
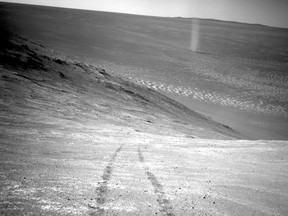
[
  {"x": 123, "y": 172},
  {"x": 76, "y": 140}
]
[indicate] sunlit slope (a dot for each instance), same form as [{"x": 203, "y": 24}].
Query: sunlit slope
[{"x": 237, "y": 75}]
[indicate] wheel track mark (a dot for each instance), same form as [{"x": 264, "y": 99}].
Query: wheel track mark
[
  {"x": 163, "y": 202},
  {"x": 102, "y": 189}
]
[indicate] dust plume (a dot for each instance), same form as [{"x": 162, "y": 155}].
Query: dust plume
[{"x": 195, "y": 34}]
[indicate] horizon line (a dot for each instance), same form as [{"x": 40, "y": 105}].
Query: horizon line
[{"x": 146, "y": 15}]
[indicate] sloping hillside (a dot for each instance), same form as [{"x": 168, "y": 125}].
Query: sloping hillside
[
  {"x": 39, "y": 84},
  {"x": 237, "y": 74},
  {"x": 77, "y": 140}
]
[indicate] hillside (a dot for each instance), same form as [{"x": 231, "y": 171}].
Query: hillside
[
  {"x": 77, "y": 140},
  {"x": 40, "y": 83},
  {"x": 236, "y": 73},
  {"x": 98, "y": 132}
]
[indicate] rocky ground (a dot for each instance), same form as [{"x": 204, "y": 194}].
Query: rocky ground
[{"x": 78, "y": 140}]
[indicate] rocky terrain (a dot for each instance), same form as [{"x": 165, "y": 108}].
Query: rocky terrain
[
  {"x": 81, "y": 138},
  {"x": 78, "y": 140}
]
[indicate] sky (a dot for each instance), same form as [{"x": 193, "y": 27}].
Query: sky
[{"x": 266, "y": 12}]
